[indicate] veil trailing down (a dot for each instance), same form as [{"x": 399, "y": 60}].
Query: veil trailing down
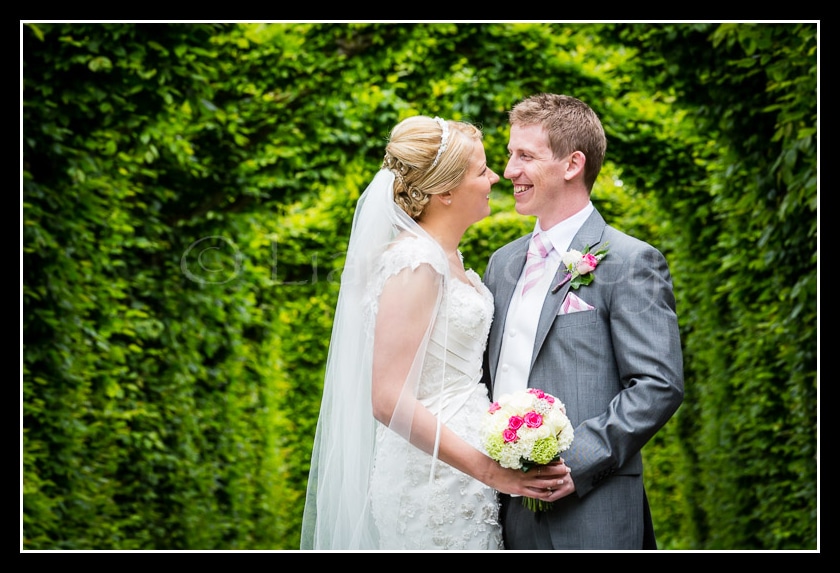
[
  {"x": 338, "y": 514},
  {"x": 377, "y": 487}
]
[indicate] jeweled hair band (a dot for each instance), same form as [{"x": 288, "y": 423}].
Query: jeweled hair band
[{"x": 444, "y": 139}]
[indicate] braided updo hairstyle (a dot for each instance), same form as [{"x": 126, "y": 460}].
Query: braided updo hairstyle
[{"x": 412, "y": 148}]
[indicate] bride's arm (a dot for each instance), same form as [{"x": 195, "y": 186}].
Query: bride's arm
[{"x": 405, "y": 313}]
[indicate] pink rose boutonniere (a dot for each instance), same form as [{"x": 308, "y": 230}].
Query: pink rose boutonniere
[{"x": 579, "y": 267}]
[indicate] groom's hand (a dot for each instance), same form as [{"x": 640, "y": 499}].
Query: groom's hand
[
  {"x": 553, "y": 481},
  {"x": 564, "y": 489}
]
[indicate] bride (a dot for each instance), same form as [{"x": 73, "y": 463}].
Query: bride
[{"x": 396, "y": 462}]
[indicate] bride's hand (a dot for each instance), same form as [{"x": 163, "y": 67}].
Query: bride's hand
[{"x": 548, "y": 482}]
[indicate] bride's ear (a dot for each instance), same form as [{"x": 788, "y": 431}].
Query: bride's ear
[{"x": 445, "y": 198}]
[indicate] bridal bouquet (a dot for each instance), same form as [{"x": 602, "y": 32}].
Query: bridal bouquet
[{"x": 526, "y": 429}]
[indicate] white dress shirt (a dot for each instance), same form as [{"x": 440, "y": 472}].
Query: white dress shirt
[{"x": 524, "y": 311}]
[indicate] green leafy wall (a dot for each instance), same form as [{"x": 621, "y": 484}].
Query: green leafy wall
[{"x": 187, "y": 193}]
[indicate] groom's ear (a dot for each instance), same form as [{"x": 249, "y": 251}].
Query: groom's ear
[{"x": 574, "y": 165}]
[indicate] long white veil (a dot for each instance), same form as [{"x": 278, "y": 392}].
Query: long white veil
[{"x": 337, "y": 513}]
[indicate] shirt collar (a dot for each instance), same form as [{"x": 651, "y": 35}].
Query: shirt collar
[{"x": 562, "y": 233}]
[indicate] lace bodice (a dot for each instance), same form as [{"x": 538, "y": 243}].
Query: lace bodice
[{"x": 466, "y": 310}]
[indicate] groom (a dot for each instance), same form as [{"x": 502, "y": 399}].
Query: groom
[{"x": 603, "y": 340}]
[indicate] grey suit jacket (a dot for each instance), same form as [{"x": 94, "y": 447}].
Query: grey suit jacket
[{"x": 619, "y": 371}]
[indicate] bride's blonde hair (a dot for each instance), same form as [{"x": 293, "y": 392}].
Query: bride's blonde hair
[{"x": 411, "y": 153}]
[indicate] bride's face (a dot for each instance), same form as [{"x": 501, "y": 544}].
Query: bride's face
[{"x": 472, "y": 196}]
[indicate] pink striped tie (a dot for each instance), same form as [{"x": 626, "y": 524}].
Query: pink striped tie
[{"x": 535, "y": 264}]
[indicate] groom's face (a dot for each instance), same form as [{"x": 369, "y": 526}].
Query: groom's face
[{"x": 537, "y": 176}]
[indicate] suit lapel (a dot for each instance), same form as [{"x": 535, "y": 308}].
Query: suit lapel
[{"x": 590, "y": 235}]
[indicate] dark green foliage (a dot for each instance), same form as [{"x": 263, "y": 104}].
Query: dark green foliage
[
  {"x": 138, "y": 382},
  {"x": 188, "y": 191},
  {"x": 746, "y": 269}
]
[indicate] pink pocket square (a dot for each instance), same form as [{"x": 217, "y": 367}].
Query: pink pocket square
[{"x": 574, "y": 303}]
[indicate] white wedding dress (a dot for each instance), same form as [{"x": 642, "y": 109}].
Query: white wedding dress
[{"x": 452, "y": 510}]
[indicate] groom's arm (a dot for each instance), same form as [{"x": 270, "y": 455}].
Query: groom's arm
[{"x": 647, "y": 354}]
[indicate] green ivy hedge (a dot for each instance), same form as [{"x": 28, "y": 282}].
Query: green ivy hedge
[{"x": 188, "y": 191}]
